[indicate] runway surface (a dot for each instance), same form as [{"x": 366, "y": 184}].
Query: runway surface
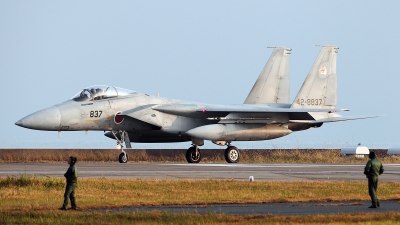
[
  {"x": 262, "y": 172},
  {"x": 302, "y": 208}
]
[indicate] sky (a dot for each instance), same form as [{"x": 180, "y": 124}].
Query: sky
[{"x": 204, "y": 51}]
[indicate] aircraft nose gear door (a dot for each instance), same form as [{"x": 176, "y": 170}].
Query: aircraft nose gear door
[{"x": 122, "y": 137}]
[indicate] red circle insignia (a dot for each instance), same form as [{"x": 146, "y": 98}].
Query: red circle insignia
[{"x": 118, "y": 118}]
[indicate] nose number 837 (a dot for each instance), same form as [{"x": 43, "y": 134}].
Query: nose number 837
[{"x": 95, "y": 113}]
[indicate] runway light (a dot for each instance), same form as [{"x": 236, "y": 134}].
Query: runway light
[
  {"x": 204, "y": 110},
  {"x": 251, "y": 178}
]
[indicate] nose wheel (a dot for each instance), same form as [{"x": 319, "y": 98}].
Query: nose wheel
[{"x": 123, "y": 157}]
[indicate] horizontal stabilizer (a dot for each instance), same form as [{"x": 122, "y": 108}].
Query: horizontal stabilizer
[{"x": 334, "y": 119}]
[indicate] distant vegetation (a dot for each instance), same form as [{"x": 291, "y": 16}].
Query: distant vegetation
[{"x": 178, "y": 155}]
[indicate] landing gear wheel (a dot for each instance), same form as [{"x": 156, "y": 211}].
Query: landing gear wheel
[
  {"x": 232, "y": 154},
  {"x": 123, "y": 157},
  {"x": 192, "y": 156}
]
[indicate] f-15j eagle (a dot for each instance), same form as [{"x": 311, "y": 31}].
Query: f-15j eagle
[{"x": 130, "y": 116}]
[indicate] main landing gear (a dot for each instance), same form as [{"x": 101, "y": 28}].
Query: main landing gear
[
  {"x": 232, "y": 154},
  {"x": 193, "y": 155},
  {"x": 123, "y": 138}
]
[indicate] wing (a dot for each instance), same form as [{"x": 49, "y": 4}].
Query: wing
[
  {"x": 245, "y": 109},
  {"x": 245, "y": 113},
  {"x": 193, "y": 109},
  {"x": 255, "y": 113}
]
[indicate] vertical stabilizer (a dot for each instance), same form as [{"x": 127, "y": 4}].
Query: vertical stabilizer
[
  {"x": 272, "y": 86},
  {"x": 319, "y": 90}
]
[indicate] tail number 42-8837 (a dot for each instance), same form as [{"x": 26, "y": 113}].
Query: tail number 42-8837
[{"x": 302, "y": 101}]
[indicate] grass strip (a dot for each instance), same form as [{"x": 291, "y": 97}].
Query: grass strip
[
  {"x": 34, "y": 200},
  {"x": 44, "y": 193},
  {"x": 156, "y": 217}
]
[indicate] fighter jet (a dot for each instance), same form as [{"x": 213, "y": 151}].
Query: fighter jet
[{"x": 129, "y": 116}]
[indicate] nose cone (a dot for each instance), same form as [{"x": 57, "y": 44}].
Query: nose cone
[
  {"x": 46, "y": 119},
  {"x": 19, "y": 123}
]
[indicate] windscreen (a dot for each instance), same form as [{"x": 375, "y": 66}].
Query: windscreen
[{"x": 100, "y": 92}]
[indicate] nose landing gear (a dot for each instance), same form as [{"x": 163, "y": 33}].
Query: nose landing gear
[
  {"x": 123, "y": 157},
  {"x": 123, "y": 138}
]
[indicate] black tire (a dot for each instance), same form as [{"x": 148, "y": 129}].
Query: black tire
[
  {"x": 232, "y": 154},
  {"x": 123, "y": 158},
  {"x": 191, "y": 155}
]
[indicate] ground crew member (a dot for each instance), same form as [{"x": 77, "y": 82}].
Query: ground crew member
[
  {"x": 72, "y": 178},
  {"x": 372, "y": 170}
]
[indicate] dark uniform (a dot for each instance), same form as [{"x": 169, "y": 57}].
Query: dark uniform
[
  {"x": 372, "y": 170},
  {"x": 72, "y": 179}
]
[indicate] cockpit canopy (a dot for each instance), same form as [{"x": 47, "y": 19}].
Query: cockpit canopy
[{"x": 100, "y": 92}]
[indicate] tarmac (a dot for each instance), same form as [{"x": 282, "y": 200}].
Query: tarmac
[
  {"x": 169, "y": 171},
  {"x": 289, "y": 209}
]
